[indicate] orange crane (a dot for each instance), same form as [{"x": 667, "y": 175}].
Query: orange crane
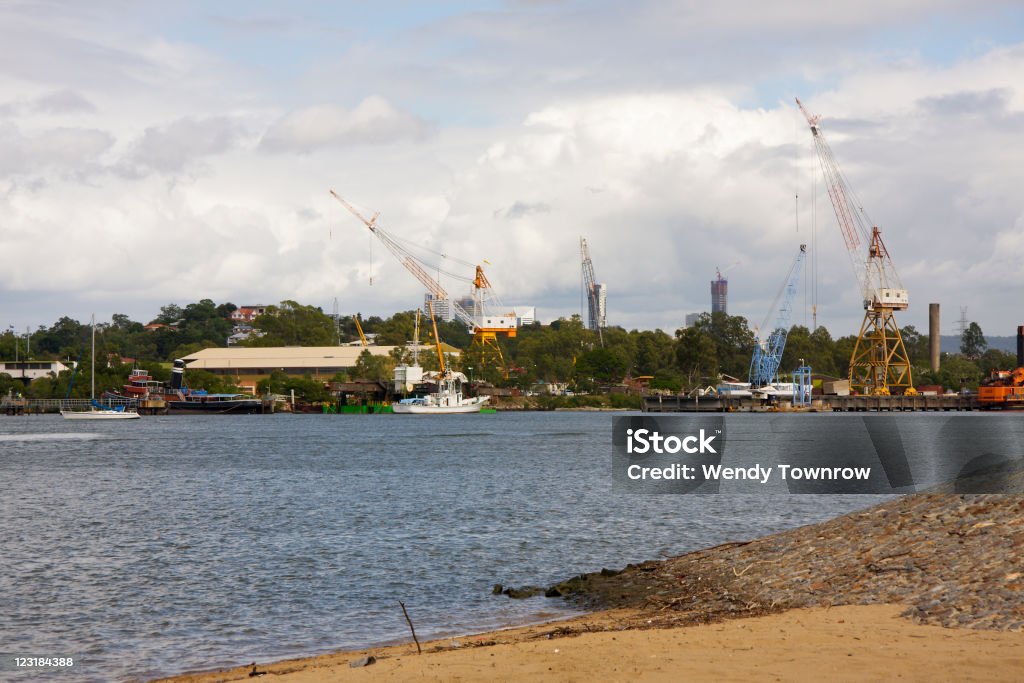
[
  {"x": 879, "y": 364},
  {"x": 486, "y": 327}
]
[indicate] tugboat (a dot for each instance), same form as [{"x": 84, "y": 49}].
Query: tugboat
[{"x": 154, "y": 396}]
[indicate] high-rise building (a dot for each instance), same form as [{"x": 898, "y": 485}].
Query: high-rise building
[
  {"x": 442, "y": 307},
  {"x": 525, "y": 315},
  {"x": 692, "y": 318},
  {"x": 719, "y": 295},
  {"x": 601, "y": 295}
]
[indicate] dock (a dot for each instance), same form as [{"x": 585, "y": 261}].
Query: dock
[{"x": 662, "y": 403}]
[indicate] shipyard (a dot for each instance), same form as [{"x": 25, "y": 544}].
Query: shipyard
[{"x": 541, "y": 341}]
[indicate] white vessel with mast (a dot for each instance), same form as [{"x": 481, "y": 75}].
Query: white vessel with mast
[
  {"x": 97, "y": 411},
  {"x": 448, "y": 398}
]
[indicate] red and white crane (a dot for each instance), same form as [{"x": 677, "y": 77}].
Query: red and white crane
[{"x": 879, "y": 364}]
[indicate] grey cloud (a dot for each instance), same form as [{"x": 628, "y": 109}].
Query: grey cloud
[
  {"x": 64, "y": 101},
  {"x": 963, "y": 103},
  {"x": 171, "y": 148},
  {"x": 373, "y": 121},
  {"x": 522, "y": 209},
  {"x": 67, "y": 150}
]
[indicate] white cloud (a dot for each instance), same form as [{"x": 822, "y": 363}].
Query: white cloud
[
  {"x": 636, "y": 127},
  {"x": 373, "y": 121}
]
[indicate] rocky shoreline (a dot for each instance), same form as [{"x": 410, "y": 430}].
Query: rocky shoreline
[{"x": 952, "y": 560}]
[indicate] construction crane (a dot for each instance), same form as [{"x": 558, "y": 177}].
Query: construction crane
[
  {"x": 486, "y": 327},
  {"x": 879, "y": 364},
  {"x": 764, "y": 365},
  {"x": 596, "y": 294},
  {"x": 359, "y": 329}
]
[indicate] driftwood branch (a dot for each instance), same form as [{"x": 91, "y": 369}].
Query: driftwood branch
[{"x": 409, "y": 621}]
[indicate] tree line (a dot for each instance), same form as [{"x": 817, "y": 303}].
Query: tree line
[{"x": 563, "y": 352}]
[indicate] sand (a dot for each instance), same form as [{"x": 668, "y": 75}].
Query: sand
[
  {"x": 851, "y": 643},
  {"x": 923, "y": 588}
]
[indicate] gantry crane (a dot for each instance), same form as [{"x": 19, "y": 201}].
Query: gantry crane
[
  {"x": 879, "y": 364},
  {"x": 595, "y": 294},
  {"x": 764, "y": 365},
  {"x": 486, "y": 327}
]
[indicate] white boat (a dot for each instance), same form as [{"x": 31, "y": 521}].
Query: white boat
[
  {"x": 734, "y": 390},
  {"x": 447, "y": 399},
  {"x": 96, "y": 410}
]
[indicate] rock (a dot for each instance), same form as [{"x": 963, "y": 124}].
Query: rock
[
  {"x": 362, "y": 661},
  {"x": 523, "y": 592}
]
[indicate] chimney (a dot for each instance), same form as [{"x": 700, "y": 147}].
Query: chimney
[
  {"x": 177, "y": 374},
  {"x": 934, "y": 336},
  {"x": 1020, "y": 346}
]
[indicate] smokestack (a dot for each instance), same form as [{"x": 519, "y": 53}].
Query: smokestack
[
  {"x": 1020, "y": 346},
  {"x": 177, "y": 374},
  {"x": 934, "y": 338}
]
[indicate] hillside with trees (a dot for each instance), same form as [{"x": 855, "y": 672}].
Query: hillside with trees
[{"x": 563, "y": 352}]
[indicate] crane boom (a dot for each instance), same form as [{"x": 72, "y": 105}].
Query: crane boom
[
  {"x": 879, "y": 363},
  {"x": 764, "y": 365},
  {"x": 876, "y": 274},
  {"x": 359, "y": 329},
  {"x": 485, "y": 327}
]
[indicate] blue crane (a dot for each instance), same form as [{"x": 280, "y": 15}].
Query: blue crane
[{"x": 764, "y": 366}]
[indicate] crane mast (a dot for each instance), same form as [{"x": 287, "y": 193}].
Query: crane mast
[
  {"x": 486, "y": 328},
  {"x": 764, "y": 365},
  {"x": 879, "y": 364},
  {"x": 595, "y": 316}
]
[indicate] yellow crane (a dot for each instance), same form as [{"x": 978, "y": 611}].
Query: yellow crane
[
  {"x": 486, "y": 326},
  {"x": 879, "y": 364},
  {"x": 359, "y": 329}
]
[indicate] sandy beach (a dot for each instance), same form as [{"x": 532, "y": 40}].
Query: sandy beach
[
  {"x": 853, "y": 643},
  {"x": 926, "y": 587}
]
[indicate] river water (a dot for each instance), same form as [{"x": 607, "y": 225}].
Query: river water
[{"x": 170, "y": 544}]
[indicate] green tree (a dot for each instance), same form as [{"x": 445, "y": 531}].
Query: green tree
[
  {"x": 696, "y": 355},
  {"x": 972, "y": 342},
  {"x": 655, "y": 352},
  {"x": 369, "y": 366},
  {"x": 292, "y": 324},
  {"x": 994, "y": 359},
  {"x": 601, "y": 365}
]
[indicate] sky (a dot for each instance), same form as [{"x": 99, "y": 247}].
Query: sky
[{"x": 157, "y": 153}]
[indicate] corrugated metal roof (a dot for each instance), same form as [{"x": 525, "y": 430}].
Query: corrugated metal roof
[{"x": 288, "y": 356}]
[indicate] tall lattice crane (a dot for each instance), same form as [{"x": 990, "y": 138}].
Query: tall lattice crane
[
  {"x": 764, "y": 365},
  {"x": 595, "y": 294},
  {"x": 879, "y": 364},
  {"x": 486, "y": 327}
]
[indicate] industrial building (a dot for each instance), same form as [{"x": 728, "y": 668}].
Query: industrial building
[{"x": 247, "y": 366}]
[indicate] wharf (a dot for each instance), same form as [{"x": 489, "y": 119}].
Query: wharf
[{"x": 659, "y": 403}]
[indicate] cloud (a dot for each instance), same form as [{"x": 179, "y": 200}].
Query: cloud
[
  {"x": 520, "y": 209},
  {"x": 374, "y": 121},
  {"x": 989, "y": 103},
  {"x": 172, "y": 147},
  {"x": 62, "y": 151},
  {"x": 65, "y": 101}
]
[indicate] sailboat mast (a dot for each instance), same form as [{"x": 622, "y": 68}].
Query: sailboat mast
[{"x": 92, "y": 368}]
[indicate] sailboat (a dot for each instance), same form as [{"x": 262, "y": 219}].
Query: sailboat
[
  {"x": 98, "y": 411},
  {"x": 448, "y": 398}
]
